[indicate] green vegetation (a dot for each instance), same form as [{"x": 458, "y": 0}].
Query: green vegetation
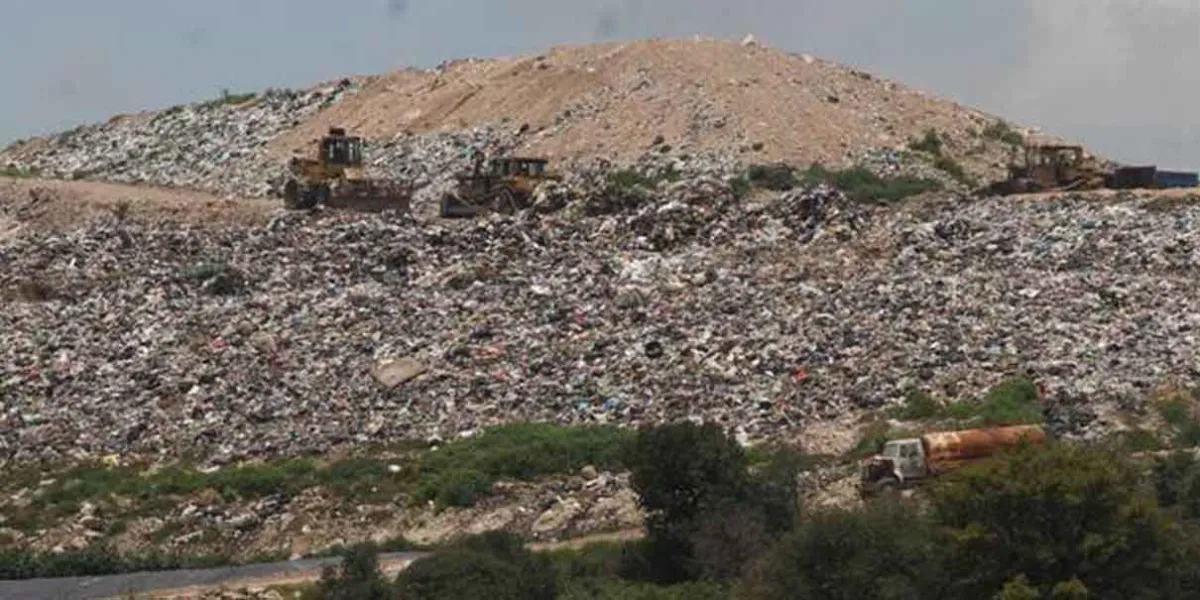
[
  {"x": 777, "y": 177},
  {"x": 1052, "y": 521},
  {"x": 15, "y": 171},
  {"x": 228, "y": 98},
  {"x": 1001, "y": 132},
  {"x": 457, "y": 474},
  {"x": 1011, "y": 402},
  {"x": 629, "y": 179},
  {"x": 952, "y": 168},
  {"x": 1176, "y": 410},
  {"x": 861, "y": 185},
  {"x": 931, "y": 143},
  {"x": 460, "y": 473}
]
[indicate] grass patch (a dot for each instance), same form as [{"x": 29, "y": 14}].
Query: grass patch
[
  {"x": 1001, "y": 132},
  {"x": 952, "y": 168},
  {"x": 228, "y": 98},
  {"x": 628, "y": 179},
  {"x": 1011, "y": 402},
  {"x": 741, "y": 187},
  {"x": 456, "y": 474},
  {"x": 777, "y": 177},
  {"x": 15, "y": 171},
  {"x": 931, "y": 143},
  {"x": 1176, "y": 410},
  {"x": 861, "y": 185},
  {"x": 918, "y": 406}
]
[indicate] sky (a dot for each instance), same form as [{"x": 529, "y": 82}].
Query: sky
[{"x": 1116, "y": 75}]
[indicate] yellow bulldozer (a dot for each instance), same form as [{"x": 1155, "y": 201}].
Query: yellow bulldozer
[
  {"x": 506, "y": 186},
  {"x": 1051, "y": 168},
  {"x": 335, "y": 179}
]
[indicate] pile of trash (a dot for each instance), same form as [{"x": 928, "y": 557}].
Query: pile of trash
[
  {"x": 326, "y": 330},
  {"x": 216, "y": 146}
]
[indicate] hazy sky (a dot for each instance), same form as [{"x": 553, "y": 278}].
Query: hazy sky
[{"x": 1119, "y": 75}]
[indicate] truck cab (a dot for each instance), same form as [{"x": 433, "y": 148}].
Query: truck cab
[{"x": 901, "y": 462}]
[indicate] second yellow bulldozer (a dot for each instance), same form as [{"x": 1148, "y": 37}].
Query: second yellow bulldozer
[
  {"x": 335, "y": 179},
  {"x": 1038, "y": 167},
  {"x": 506, "y": 186}
]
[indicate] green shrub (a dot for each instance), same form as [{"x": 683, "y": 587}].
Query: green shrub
[
  {"x": 356, "y": 578},
  {"x": 931, "y": 143},
  {"x": 861, "y": 185},
  {"x": 1054, "y": 512},
  {"x": 100, "y": 559},
  {"x": 777, "y": 177},
  {"x": 626, "y": 590},
  {"x": 1000, "y": 131},
  {"x": 458, "y": 487},
  {"x": 918, "y": 406},
  {"x": 887, "y": 551},
  {"x": 522, "y": 452},
  {"x": 15, "y": 171},
  {"x": 952, "y": 168},
  {"x": 741, "y": 187},
  {"x": 1012, "y": 402},
  {"x": 494, "y": 566}
]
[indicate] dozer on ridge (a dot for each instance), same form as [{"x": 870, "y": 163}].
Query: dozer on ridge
[
  {"x": 1037, "y": 167},
  {"x": 505, "y": 186},
  {"x": 335, "y": 178}
]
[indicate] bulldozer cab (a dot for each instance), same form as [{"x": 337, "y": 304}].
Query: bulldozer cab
[
  {"x": 337, "y": 148},
  {"x": 518, "y": 167}
]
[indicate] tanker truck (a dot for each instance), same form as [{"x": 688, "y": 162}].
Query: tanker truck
[{"x": 905, "y": 463}]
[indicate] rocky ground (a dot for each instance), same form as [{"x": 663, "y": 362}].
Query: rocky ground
[{"x": 560, "y": 508}]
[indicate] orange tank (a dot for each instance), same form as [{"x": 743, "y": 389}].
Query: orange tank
[{"x": 949, "y": 449}]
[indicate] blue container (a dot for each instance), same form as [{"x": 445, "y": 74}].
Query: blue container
[{"x": 1176, "y": 179}]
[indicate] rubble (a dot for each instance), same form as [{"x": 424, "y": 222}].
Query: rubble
[
  {"x": 215, "y": 146},
  {"x": 686, "y": 304}
]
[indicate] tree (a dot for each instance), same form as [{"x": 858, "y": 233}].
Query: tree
[
  {"x": 358, "y": 578},
  {"x": 1059, "y": 514},
  {"x": 888, "y": 551},
  {"x": 681, "y": 471},
  {"x": 493, "y": 565}
]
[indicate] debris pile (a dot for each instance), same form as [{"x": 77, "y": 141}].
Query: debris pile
[
  {"x": 217, "y": 146},
  {"x": 765, "y": 315}
]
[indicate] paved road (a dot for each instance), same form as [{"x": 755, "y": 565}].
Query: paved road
[{"x": 121, "y": 586}]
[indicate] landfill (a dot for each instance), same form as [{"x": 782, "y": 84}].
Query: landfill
[{"x": 764, "y": 313}]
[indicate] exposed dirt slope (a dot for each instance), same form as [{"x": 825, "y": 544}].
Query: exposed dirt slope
[{"x": 613, "y": 100}]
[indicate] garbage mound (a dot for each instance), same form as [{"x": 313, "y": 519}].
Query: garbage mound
[{"x": 764, "y": 314}]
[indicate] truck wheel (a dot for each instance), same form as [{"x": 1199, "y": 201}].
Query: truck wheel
[
  {"x": 291, "y": 195},
  {"x": 888, "y": 486}
]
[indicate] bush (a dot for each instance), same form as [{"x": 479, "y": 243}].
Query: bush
[
  {"x": 877, "y": 434},
  {"x": 459, "y": 487},
  {"x": 931, "y": 143},
  {"x": 708, "y": 515},
  {"x": 1000, "y": 131},
  {"x": 1011, "y": 402},
  {"x": 887, "y": 551},
  {"x": 1053, "y": 514},
  {"x": 625, "y": 590},
  {"x": 357, "y": 578},
  {"x": 778, "y": 177},
  {"x": 918, "y": 406},
  {"x": 101, "y": 559},
  {"x": 461, "y": 470},
  {"x": 862, "y": 185},
  {"x": 494, "y": 566},
  {"x": 952, "y": 168},
  {"x": 15, "y": 171},
  {"x": 1176, "y": 410}
]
